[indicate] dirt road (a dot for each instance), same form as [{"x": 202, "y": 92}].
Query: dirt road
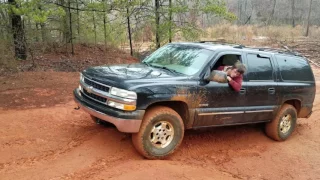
[{"x": 43, "y": 137}]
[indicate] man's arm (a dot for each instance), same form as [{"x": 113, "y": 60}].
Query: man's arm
[{"x": 236, "y": 83}]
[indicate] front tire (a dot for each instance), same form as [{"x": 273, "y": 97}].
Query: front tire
[
  {"x": 283, "y": 125},
  {"x": 160, "y": 134}
]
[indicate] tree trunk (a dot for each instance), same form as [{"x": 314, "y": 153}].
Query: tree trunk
[
  {"x": 65, "y": 23},
  {"x": 292, "y": 14},
  {"x": 157, "y": 14},
  {"x": 78, "y": 22},
  {"x": 37, "y": 32},
  {"x": 20, "y": 49},
  {"x": 170, "y": 21},
  {"x": 95, "y": 28},
  {"x": 3, "y": 24},
  {"x": 245, "y": 11},
  {"x": 105, "y": 24},
  {"x": 43, "y": 32},
  {"x": 272, "y": 12},
  {"x": 105, "y": 29},
  {"x": 129, "y": 31},
  {"x": 239, "y": 11},
  {"x": 70, "y": 26},
  {"x": 42, "y": 27},
  {"x": 94, "y": 25},
  {"x": 308, "y": 21}
]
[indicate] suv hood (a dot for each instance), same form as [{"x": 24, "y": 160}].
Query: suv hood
[{"x": 117, "y": 74}]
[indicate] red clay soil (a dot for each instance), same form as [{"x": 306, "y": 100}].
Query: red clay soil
[{"x": 42, "y": 136}]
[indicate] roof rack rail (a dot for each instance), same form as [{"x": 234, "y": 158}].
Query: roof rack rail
[
  {"x": 281, "y": 51},
  {"x": 240, "y": 46},
  {"x": 214, "y": 42},
  {"x": 286, "y": 50},
  {"x": 224, "y": 43}
]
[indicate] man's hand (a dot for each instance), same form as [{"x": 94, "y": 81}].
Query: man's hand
[{"x": 229, "y": 78}]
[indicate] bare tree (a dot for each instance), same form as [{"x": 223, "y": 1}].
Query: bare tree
[
  {"x": 239, "y": 11},
  {"x": 157, "y": 15},
  {"x": 170, "y": 21},
  {"x": 94, "y": 27},
  {"x": 272, "y": 12},
  {"x": 105, "y": 22},
  {"x": 18, "y": 33},
  {"x": 292, "y": 14},
  {"x": 129, "y": 29},
  {"x": 78, "y": 21},
  {"x": 308, "y": 21},
  {"x": 70, "y": 26}
]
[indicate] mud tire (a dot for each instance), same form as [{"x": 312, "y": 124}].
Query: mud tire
[
  {"x": 141, "y": 140},
  {"x": 273, "y": 128}
]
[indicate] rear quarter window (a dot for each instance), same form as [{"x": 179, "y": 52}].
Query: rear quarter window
[{"x": 294, "y": 69}]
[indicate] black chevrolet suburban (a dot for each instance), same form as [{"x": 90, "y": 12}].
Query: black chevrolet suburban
[{"x": 172, "y": 90}]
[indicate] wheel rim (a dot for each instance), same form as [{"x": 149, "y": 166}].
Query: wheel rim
[
  {"x": 285, "y": 123},
  {"x": 161, "y": 134}
]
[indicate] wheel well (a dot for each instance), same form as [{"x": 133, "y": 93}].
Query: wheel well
[
  {"x": 295, "y": 103},
  {"x": 180, "y": 107}
]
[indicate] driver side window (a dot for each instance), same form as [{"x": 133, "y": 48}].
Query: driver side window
[
  {"x": 226, "y": 60},
  {"x": 216, "y": 73}
]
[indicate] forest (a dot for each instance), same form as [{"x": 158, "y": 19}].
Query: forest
[{"x": 34, "y": 27}]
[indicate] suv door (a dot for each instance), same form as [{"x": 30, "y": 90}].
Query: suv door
[
  {"x": 262, "y": 93},
  {"x": 224, "y": 105}
]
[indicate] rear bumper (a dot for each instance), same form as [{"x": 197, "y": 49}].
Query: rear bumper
[{"x": 128, "y": 122}]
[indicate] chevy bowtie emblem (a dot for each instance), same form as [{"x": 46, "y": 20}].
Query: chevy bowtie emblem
[{"x": 90, "y": 89}]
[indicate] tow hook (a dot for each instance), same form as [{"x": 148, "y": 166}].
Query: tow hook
[{"x": 77, "y": 108}]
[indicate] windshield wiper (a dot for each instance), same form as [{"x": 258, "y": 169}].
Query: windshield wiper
[
  {"x": 146, "y": 63},
  {"x": 162, "y": 67},
  {"x": 151, "y": 65},
  {"x": 171, "y": 70}
]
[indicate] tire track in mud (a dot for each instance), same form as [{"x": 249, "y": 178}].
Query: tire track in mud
[
  {"x": 221, "y": 145},
  {"x": 50, "y": 154},
  {"x": 216, "y": 147},
  {"x": 102, "y": 164},
  {"x": 237, "y": 175}
]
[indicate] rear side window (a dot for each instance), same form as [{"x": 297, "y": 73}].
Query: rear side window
[
  {"x": 294, "y": 69},
  {"x": 259, "y": 68}
]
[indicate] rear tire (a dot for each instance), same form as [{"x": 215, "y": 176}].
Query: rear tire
[
  {"x": 283, "y": 124},
  {"x": 160, "y": 134}
]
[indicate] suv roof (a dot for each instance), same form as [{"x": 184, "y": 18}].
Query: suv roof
[{"x": 217, "y": 45}]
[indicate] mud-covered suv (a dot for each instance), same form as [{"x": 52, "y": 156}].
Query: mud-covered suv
[{"x": 171, "y": 90}]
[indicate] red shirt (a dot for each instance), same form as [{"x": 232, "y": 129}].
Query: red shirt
[{"x": 236, "y": 82}]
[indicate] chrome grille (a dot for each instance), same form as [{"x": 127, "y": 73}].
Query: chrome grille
[
  {"x": 96, "y": 85},
  {"x": 94, "y": 97}
]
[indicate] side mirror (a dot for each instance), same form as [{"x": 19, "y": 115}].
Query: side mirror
[
  {"x": 207, "y": 75},
  {"x": 217, "y": 76}
]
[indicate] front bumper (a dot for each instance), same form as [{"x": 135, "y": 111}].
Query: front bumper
[{"x": 128, "y": 122}]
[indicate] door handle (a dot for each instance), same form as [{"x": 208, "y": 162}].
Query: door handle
[
  {"x": 242, "y": 91},
  {"x": 271, "y": 90}
]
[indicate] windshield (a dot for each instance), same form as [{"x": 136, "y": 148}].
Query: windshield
[{"x": 183, "y": 59}]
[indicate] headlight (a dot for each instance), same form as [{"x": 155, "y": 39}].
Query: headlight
[
  {"x": 125, "y": 107},
  {"x": 81, "y": 77},
  {"x": 123, "y": 93}
]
